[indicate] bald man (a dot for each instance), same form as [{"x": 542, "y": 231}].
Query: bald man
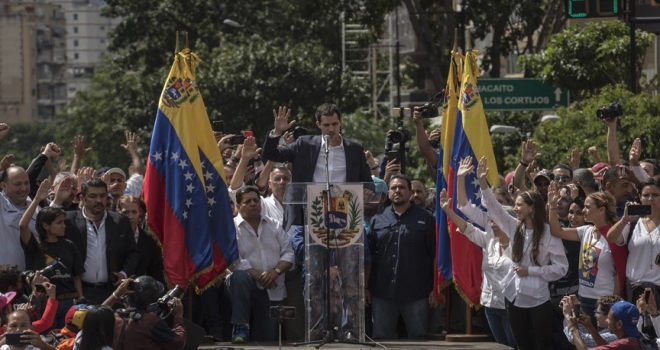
[{"x": 14, "y": 200}]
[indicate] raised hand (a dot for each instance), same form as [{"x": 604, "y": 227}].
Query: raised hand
[
  {"x": 635, "y": 152},
  {"x": 553, "y": 194},
  {"x": 78, "y": 144},
  {"x": 528, "y": 153},
  {"x": 249, "y": 149},
  {"x": 281, "y": 117},
  {"x": 62, "y": 165},
  {"x": 288, "y": 137},
  {"x": 444, "y": 199},
  {"x": 465, "y": 167},
  {"x": 225, "y": 142},
  {"x": 4, "y": 129},
  {"x": 482, "y": 168},
  {"x": 6, "y": 161},
  {"x": 52, "y": 150},
  {"x": 574, "y": 159},
  {"x": 131, "y": 142},
  {"x": 84, "y": 173},
  {"x": 593, "y": 153},
  {"x": 42, "y": 192},
  {"x": 64, "y": 189},
  {"x": 435, "y": 135}
]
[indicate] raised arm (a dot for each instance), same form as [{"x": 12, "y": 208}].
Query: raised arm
[
  {"x": 79, "y": 151},
  {"x": 23, "y": 225},
  {"x": 618, "y": 231},
  {"x": 264, "y": 176},
  {"x": 428, "y": 152},
  {"x": 132, "y": 148},
  {"x": 613, "y": 154},
  {"x": 473, "y": 213},
  {"x": 271, "y": 149},
  {"x": 495, "y": 210},
  {"x": 248, "y": 151},
  {"x": 527, "y": 156},
  {"x": 570, "y": 234},
  {"x": 475, "y": 235},
  {"x": 633, "y": 157}
]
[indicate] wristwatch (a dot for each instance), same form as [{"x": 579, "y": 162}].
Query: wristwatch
[{"x": 279, "y": 272}]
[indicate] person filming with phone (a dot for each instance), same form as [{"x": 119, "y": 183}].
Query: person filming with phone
[
  {"x": 639, "y": 230},
  {"x": 20, "y": 334}
]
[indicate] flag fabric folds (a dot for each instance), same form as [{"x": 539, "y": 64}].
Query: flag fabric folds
[
  {"x": 443, "y": 274},
  {"x": 187, "y": 200},
  {"x": 471, "y": 138}
]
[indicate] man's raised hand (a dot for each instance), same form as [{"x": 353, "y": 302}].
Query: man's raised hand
[{"x": 282, "y": 120}]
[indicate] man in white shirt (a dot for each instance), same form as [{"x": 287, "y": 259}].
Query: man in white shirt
[
  {"x": 258, "y": 281},
  {"x": 14, "y": 201}
]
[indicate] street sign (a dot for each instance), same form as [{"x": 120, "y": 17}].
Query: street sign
[{"x": 520, "y": 94}]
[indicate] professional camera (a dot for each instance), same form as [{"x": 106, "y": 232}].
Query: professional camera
[
  {"x": 166, "y": 302},
  {"x": 299, "y": 131},
  {"x": 430, "y": 108},
  {"x": 612, "y": 111},
  {"x": 398, "y": 136},
  {"x": 48, "y": 272}
]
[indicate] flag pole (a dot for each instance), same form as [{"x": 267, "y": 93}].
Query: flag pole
[
  {"x": 455, "y": 49},
  {"x": 176, "y": 45}
]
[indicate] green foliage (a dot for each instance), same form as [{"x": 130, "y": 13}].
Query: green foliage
[
  {"x": 507, "y": 146},
  {"x": 25, "y": 140},
  {"x": 244, "y": 73},
  {"x": 584, "y": 60},
  {"x": 579, "y": 127}
]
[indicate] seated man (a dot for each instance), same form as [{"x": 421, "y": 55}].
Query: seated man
[{"x": 258, "y": 282}]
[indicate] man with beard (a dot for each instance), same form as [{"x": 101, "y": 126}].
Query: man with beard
[
  {"x": 419, "y": 194},
  {"x": 402, "y": 244},
  {"x": 105, "y": 242}
]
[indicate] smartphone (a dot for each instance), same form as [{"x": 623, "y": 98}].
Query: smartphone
[
  {"x": 641, "y": 210},
  {"x": 392, "y": 155},
  {"x": 647, "y": 294},
  {"x": 577, "y": 310},
  {"x": 40, "y": 287},
  {"x": 282, "y": 312},
  {"x": 237, "y": 140},
  {"x": 13, "y": 338},
  {"x": 247, "y": 133},
  {"x": 219, "y": 126}
]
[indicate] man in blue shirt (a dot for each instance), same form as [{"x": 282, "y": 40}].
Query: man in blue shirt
[{"x": 402, "y": 244}]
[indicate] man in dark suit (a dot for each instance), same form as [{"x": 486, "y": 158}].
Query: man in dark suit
[
  {"x": 346, "y": 159},
  {"x": 105, "y": 241}
]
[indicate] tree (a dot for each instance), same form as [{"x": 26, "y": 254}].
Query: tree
[
  {"x": 579, "y": 127},
  {"x": 583, "y": 60},
  {"x": 25, "y": 140},
  {"x": 243, "y": 75}
]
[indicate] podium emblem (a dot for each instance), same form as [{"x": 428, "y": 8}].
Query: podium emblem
[{"x": 341, "y": 222}]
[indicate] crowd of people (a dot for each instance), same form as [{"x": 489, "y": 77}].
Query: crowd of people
[{"x": 570, "y": 255}]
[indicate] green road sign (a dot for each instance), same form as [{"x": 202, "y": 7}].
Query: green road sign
[{"x": 520, "y": 94}]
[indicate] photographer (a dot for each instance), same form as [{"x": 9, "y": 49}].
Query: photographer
[
  {"x": 21, "y": 335},
  {"x": 140, "y": 326}
]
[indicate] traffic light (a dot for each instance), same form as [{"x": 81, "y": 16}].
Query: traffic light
[{"x": 595, "y": 8}]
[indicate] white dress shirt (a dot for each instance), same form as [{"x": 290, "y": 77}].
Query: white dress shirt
[
  {"x": 272, "y": 208},
  {"x": 11, "y": 251},
  {"x": 494, "y": 266},
  {"x": 263, "y": 250},
  {"x": 531, "y": 290},
  {"x": 336, "y": 163},
  {"x": 96, "y": 263}
]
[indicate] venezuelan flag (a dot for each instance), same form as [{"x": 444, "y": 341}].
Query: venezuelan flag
[
  {"x": 184, "y": 186},
  {"x": 471, "y": 138},
  {"x": 443, "y": 274}
]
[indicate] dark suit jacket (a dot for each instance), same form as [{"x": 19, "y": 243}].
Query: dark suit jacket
[
  {"x": 151, "y": 257},
  {"x": 121, "y": 250},
  {"x": 304, "y": 153}
]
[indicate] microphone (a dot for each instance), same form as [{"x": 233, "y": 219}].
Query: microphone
[{"x": 326, "y": 139}]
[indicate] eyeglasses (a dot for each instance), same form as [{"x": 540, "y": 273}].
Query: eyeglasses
[{"x": 562, "y": 178}]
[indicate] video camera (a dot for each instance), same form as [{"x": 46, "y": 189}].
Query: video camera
[
  {"x": 612, "y": 111},
  {"x": 48, "y": 272},
  {"x": 430, "y": 108}
]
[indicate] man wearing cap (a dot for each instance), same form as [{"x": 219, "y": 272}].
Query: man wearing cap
[
  {"x": 115, "y": 178},
  {"x": 621, "y": 321}
]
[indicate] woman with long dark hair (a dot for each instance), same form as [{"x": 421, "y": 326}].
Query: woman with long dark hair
[
  {"x": 50, "y": 248},
  {"x": 98, "y": 329},
  {"x": 537, "y": 258},
  {"x": 643, "y": 264},
  {"x": 597, "y": 273}
]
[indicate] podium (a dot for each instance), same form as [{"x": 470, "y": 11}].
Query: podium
[{"x": 339, "y": 224}]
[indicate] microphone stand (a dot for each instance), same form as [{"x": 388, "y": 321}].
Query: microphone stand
[{"x": 329, "y": 334}]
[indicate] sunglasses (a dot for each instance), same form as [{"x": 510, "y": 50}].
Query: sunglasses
[{"x": 562, "y": 178}]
